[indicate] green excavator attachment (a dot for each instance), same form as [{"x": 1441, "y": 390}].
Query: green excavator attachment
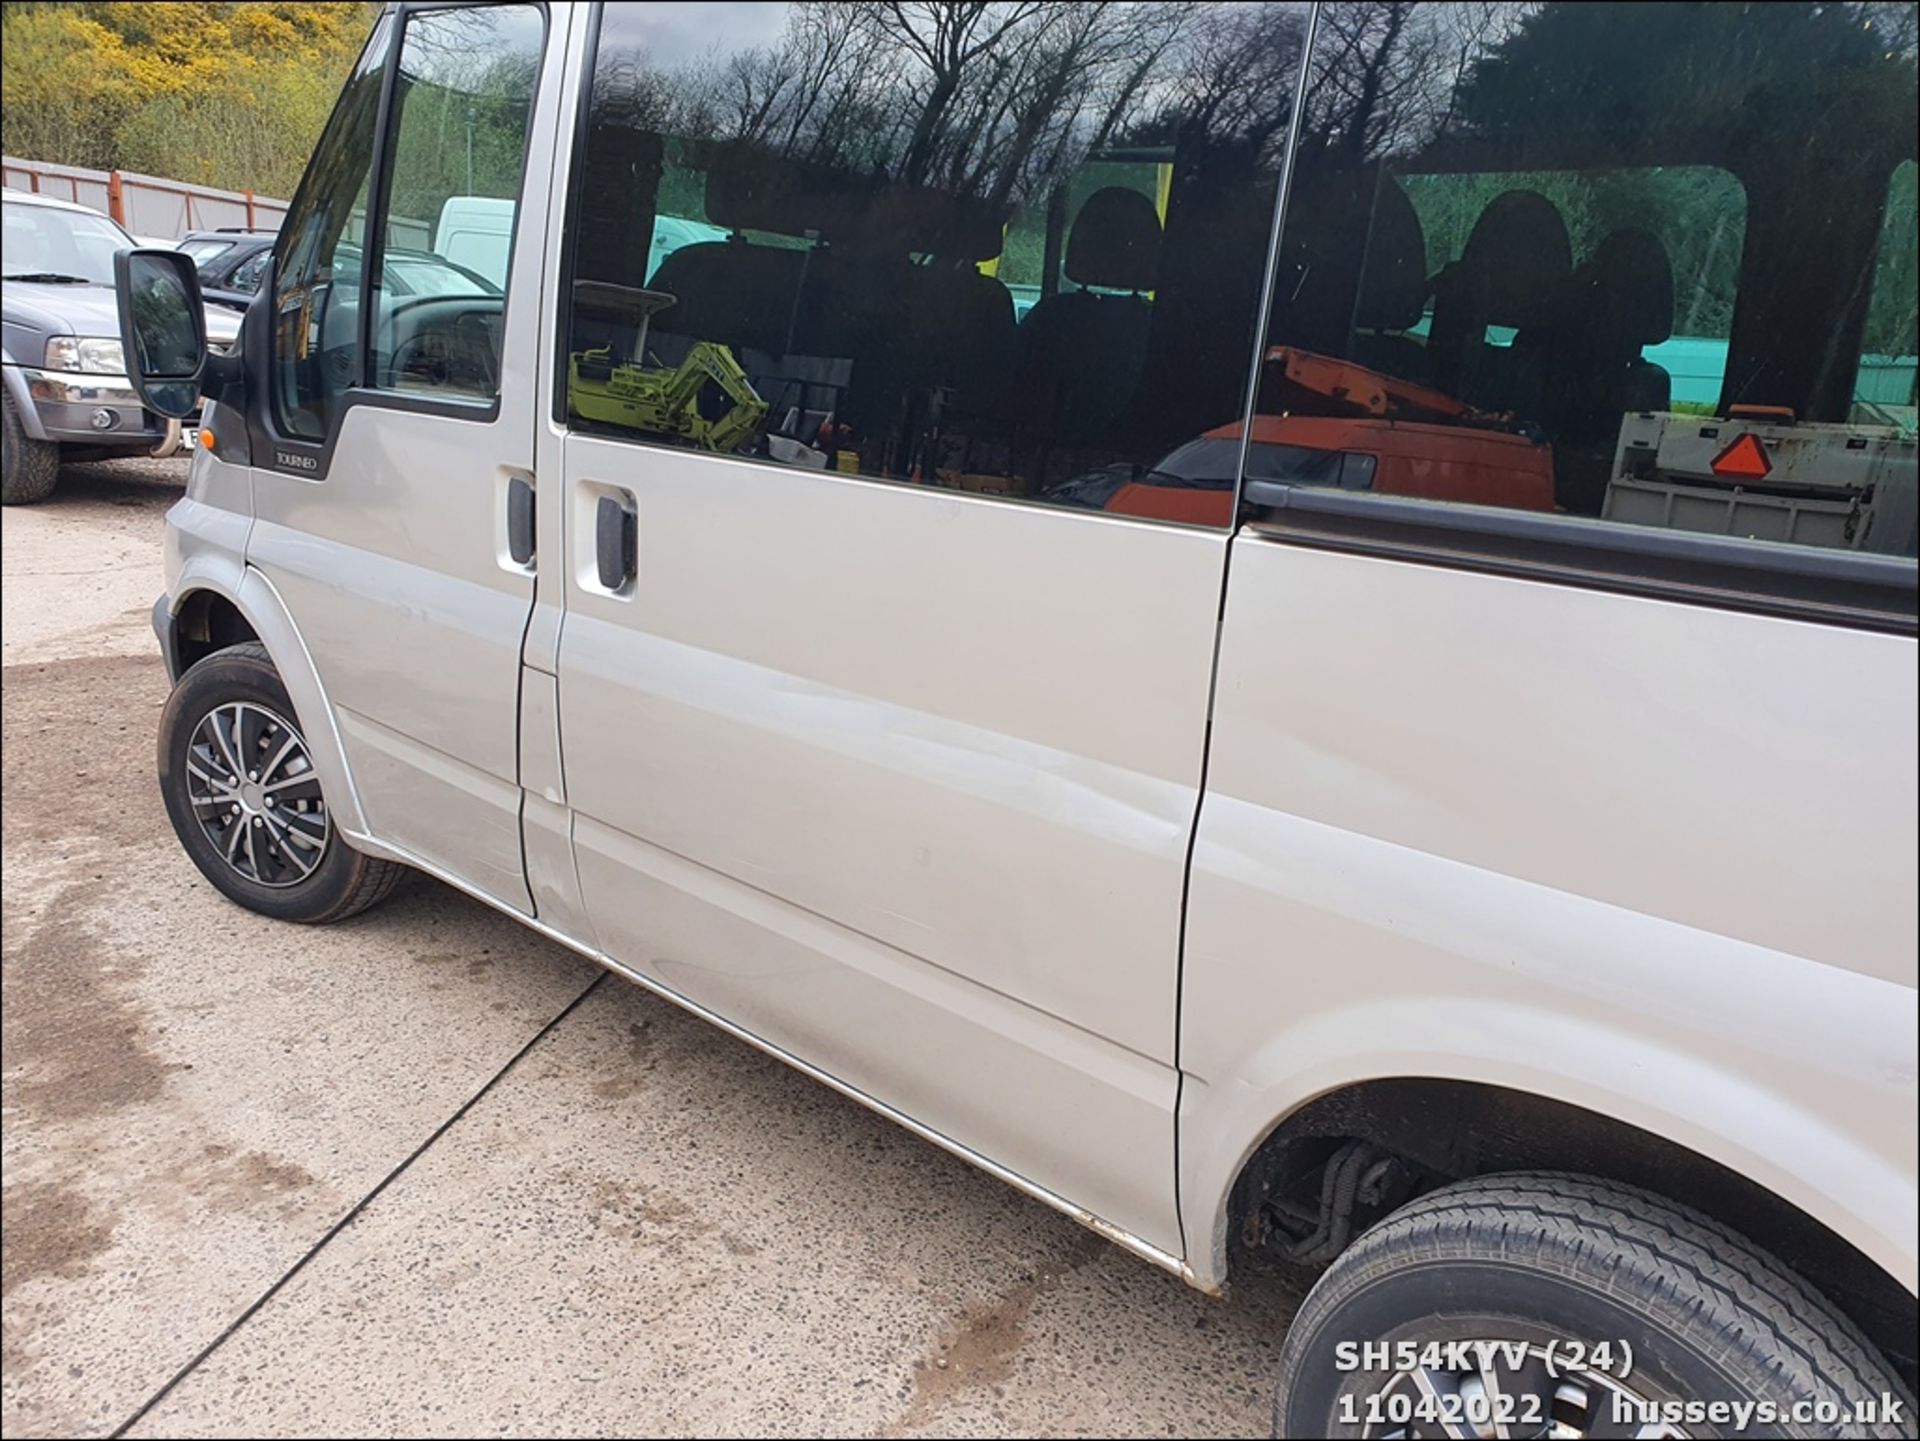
[{"x": 706, "y": 400}]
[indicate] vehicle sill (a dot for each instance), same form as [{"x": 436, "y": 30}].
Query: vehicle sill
[{"x": 1146, "y": 1250}]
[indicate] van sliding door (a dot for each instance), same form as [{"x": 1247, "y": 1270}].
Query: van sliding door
[{"x": 897, "y": 484}]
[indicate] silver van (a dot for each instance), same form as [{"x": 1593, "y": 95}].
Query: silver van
[{"x": 1290, "y": 626}]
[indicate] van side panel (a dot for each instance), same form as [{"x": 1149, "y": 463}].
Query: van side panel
[
  {"x": 901, "y": 781},
  {"x": 392, "y": 555},
  {"x": 1650, "y": 858}
]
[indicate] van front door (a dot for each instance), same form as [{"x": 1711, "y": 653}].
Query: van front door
[
  {"x": 396, "y": 439},
  {"x": 883, "y": 738}
]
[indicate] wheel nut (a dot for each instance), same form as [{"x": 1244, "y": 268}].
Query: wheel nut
[{"x": 269, "y": 800}]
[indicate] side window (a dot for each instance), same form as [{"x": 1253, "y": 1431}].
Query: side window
[
  {"x": 246, "y": 275},
  {"x": 1008, "y": 249},
  {"x": 203, "y": 252},
  {"x": 316, "y": 293},
  {"x": 1884, "y": 391},
  {"x": 1612, "y": 261},
  {"x": 457, "y": 144},
  {"x": 1665, "y": 204}
]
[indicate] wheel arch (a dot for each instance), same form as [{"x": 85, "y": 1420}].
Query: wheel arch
[
  {"x": 1451, "y": 1129},
  {"x": 207, "y": 614},
  {"x": 16, "y": 384},
  {"x": 205, "y": 621}
]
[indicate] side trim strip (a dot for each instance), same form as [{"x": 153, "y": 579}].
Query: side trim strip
[
  {"x": 1125, "y": 1239},
  {"x": 1868, "y": 592}
]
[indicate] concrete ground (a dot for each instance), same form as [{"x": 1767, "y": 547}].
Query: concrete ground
[{"x": 428, "y": 1173}]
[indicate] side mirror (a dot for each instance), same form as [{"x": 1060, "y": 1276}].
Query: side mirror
[{"x": 162, "y": 328}]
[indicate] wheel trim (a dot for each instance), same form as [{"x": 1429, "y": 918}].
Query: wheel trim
[
  {"x": 254, "y": 794},
  {"x": 1572, "y": 1403}
]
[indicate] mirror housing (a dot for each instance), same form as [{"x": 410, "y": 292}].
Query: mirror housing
[{"x": 163, "y": 329}]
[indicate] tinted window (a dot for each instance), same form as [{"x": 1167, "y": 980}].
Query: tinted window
[
  {"x": 1669, "y": 203},
  {"x": 1626, "y": 261},
  {"x": 247, "y": 274},
  {"x": 417, "y": 274},
  {"x": 457, "y": 148},
  {"x": 315, "y": 309},
  {"x": 1884, "y": 389},
  {"x": 1002, "y": 248},
  {"x": 202, "y": 251}
]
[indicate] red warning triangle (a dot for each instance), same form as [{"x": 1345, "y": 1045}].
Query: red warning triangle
[{"x": 1745, "y": 459}]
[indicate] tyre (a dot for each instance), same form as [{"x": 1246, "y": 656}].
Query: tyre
[
  {"x": 243, "y": 796},
  {"x": 1534, "y": 1261},
  {"x": 28, "y": 468}
]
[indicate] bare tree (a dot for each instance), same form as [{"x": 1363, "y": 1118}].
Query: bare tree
[
  {"x": 1235, "y": 82},
  {"x": 984, "y": 100},
  {"x": 1370, "y": 77},
  {"x": 947, "y": 37},
  {"x": 1067, "y": 92},
  {"x": 1897, "y": 22},
  {"x": 754, "y": 85},
  {"x": 1469, "y": 30},
  {"x": 834, "y": 51}
]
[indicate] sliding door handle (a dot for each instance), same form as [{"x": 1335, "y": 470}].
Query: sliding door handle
[
  {"x": 616, "y": 543},
  {"x": 520, "y": 521}
]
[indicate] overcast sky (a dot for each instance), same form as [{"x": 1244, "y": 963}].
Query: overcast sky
[{"x": 677, "y": 33}]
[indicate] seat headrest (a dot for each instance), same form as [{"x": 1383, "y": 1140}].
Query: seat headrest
[
  {"x": 905, "y": 218},
  {"x": 1629, "y": 283},
  {"x": 1115, "y": 242},
  {"x": 750, "y": 189},
  {"x": 1393, "y": 280},
  {"x": 1520, "y": 257}
]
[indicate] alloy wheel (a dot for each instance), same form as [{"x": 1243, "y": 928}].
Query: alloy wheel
[{"x": 255, "y": 796}]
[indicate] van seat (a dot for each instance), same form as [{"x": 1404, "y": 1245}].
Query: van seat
[
  {"x": 1393, "y": 288},
  {"x": 729, "y": 291},
  {"x": 1512, "y": 273},
  {"x": 1081, "y": 352},
  {"x": 1616, "y": 304}
]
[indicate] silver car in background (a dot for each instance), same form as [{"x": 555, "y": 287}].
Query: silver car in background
[{"x": 67, "y": 394}]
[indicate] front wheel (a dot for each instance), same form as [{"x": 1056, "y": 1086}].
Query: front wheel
[
  {"x": 1543, "y": 1304},
  {"x": 29, "y": 468},
  {"x": 245, "y": 800}
]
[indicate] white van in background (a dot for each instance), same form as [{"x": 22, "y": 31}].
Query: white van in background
[{"x": 476, "y": 231}]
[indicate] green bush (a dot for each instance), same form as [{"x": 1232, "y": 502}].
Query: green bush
[{"x": 230, "y": 95}]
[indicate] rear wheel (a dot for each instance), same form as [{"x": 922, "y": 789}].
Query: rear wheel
[
  {"x": 1543, "y": 1304},
  {"x": 28, "y": 468},
  {"x": 245, "y": 800}
]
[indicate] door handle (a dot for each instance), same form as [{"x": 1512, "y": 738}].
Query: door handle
[
  {"x": 616, "y": 543},
  {"x": 519, "y": 521}
]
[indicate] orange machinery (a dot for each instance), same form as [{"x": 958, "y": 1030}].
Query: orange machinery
[{"x": 1420, "y": 443}]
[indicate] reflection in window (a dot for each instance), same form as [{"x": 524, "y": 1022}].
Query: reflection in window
[
  {"x": 1008, "y": 249},
  {"x": 1646, "y": 263},
  {"x": 463, "y": 102},
  {"x": 1884, "y": 390},
  {"x": 315, "y": 307},
  {"x": 202, "y": 251},
  {"x": 1608, "y": 261},
  {"x": 248, "y": 273}
]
